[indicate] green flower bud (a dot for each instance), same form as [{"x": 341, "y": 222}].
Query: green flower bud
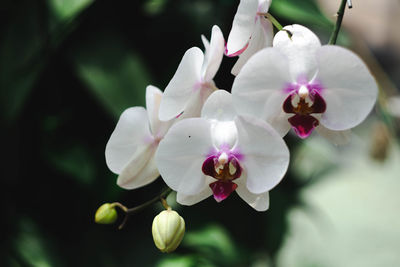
[
  {"x": 106, "y": 214},
  {"x": 168, "y": 230}
]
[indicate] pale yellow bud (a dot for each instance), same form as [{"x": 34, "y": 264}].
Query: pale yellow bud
[
  {"x": 168, "y": 230},
  {"x": 106, "y": 214}
]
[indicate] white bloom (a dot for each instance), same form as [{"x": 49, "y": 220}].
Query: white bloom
[
  {"x": 131, "y": 148},
  {"x": 302, "y": 84},
  {"x": 250, "y": 32},
  {"x": 220, "y": 153},
  {"x": 193, "y": 80}
]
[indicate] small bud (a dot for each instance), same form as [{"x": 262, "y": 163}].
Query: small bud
[
  {"x": 380, "y": 144},
  {"x": 106, "y": 214},
  {"x": 168, "y": 230}
]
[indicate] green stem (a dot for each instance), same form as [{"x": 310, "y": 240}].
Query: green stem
[
  {"x": 338, "y": 24},
  {"x": 136, "y": 209},
  {"x": 274, "y": 21}
]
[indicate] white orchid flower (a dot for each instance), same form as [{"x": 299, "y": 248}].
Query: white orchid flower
[
  {"x": 220, "y": 153},
  {"x": 131, "y": 147},
  {"x": 300, "y": 84},
  {"x": 250, "y": 32},
  {"x": 193, "y": 80}
]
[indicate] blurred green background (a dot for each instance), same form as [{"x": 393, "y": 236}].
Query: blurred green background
[{"x": 68, "y": 68}]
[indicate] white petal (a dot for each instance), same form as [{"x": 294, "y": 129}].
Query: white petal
[
  {"x": 349, "y": 89},
  {"x": 195, "y": 103},
  {"x": 131, "y": 135},
  {"x": 181, "y": 154},
  {"x": 266, "y": 156},
  {"x": 336, "y": 137},
  {"x": 219, "y": 106},
  {"x": 140, "y": 171},
  {"x": 301, "y": 50},
  {"x": 242, "y": 26},
  {"x": 259, "y": 202},
  {"x": 263, "y": 5},
  {"x": 182, "y": 85},
  {"x": 206, "y": 43},
  {"x": 189, "y": 200},
  {"x": 261, "y": 38},
  {"x": 213, "y": 55},
  {"x": 153, "y": 99},
  {"x": 280, "y": 122},
  {"x": 258, "y": 90}
]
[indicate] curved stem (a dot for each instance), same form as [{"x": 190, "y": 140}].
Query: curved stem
[
  {"x": 274, "y": 21},
  {"x": 136, "y": 209},
  {"x": 338, "y": 24}
]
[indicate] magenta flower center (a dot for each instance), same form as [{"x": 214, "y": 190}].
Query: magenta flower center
[
  {"x": 304, "y": 101},
  {"x": 224, "y": 167}
]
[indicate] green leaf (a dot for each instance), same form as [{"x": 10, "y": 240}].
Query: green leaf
[
  {"x": 304, "y": 11},
  {"x": 67, "y": 9},
  {"x": 177, "y": 261},
  {"x": 20, "y": 45},
  {"x": 75, "y": 161},
  {"x": 214, "y": 243},
  {"x": 116, "y": 76},
  {"x": 30, "y": 247}
]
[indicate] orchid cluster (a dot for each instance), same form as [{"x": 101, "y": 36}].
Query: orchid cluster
[{"x": 205, "y": 141}]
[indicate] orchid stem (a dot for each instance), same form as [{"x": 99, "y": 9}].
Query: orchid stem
[
  {"x": 131, "y": 211},
  {"x": 338, "y": 24},
  {"x": 277, "y": 25},
  {"x": 274, "y": 21}
]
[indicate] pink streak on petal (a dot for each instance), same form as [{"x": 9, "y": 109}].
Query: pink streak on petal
[
  {"x": 222, "y": 190},
  {"x": 303, "y": 125},
  {"x": 236, "y": 53}
]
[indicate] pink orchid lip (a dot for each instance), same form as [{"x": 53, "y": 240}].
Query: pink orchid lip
[
  {"x": 224, "y": 186},
  {"x": 222, "y": 190},
  {"x": 303, "y": 125},
  {"x": 303, "y": 122}
]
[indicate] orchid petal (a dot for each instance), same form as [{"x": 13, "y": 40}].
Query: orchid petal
[
  {"x": 350, "y": 90},
  {"x": 195, "y": 103},
  {"x": 300, "y": 48},
  {"x": 242, "y": 26},
  {"x": 280, "y": 123},
  {"x": 263, "y": 6},
  {"x": 261, "y": 38},
  {"x": 181, "y": 154},
  {"x": 206, "y": 43},
  {"x": 131, "y": 136},
  {"x": 265, "y": 161},
  {"x": 213, "y": 55},
  {"x": 336, "y": 137},
  {"x": 259, "y": 202},
  {"x": 182, "y": 85},
  {"x": 153, "y": 99},
  {"x": 258, "y": 90},
  {"x": 189, "y": 200},
  {"x": 140, "y": 171},
  {"x": 219, "y": 106}
]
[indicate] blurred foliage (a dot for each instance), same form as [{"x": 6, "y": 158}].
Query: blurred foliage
[
  {"x": 68, "y": 69},
  {"x": 302, "y": 12}
]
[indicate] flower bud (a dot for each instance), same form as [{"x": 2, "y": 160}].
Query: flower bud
[
  {"x": 168, "y": 230},
  {"x": 106, "y": 214}
]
